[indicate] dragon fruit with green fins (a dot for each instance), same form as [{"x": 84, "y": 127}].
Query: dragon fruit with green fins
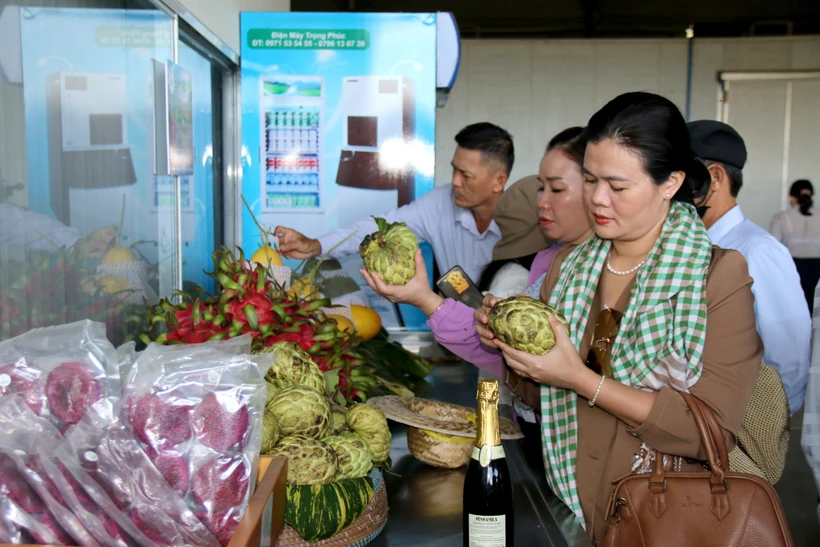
[{"x": 390, "y": 252}]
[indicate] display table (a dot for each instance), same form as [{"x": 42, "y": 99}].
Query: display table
[{"x": 426, "y": 502}]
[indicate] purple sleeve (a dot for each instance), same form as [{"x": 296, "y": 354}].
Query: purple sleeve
[
  {"x": 541, "y": 262},
  {"x": 454, "y": 328}
]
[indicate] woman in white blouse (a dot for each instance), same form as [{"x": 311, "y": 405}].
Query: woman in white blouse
[{"x": 799, "y": 229}]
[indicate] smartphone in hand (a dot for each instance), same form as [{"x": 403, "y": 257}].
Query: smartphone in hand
[{"x": 456, "y": 284}]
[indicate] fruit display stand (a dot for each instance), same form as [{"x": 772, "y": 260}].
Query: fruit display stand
[{"x": 270, "y": 487}]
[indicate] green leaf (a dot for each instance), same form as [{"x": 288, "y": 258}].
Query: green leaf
[
  {"x": 382, "y": 224},
  {"x": 334, "y": 287},
  {"x": 331, "y": 380}
]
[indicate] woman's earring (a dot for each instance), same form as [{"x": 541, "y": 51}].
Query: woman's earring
[{"x": 666, "y": 196}]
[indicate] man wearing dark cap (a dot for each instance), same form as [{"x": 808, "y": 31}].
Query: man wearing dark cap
[{"x": 783, "y": 321}]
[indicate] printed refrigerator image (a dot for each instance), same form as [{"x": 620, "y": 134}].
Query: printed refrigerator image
[
  {"x": 87, "y": 136},
  {"x": 292, "y": 112},
  {"x": 379, "y": 123}
]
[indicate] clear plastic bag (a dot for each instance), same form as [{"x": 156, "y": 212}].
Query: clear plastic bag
[
  {"x": 60, "y": 371},
  {"x": 198, "y": 412},
  {"x": 21, "y": 433},
  {"x": 105, "y": 458}
]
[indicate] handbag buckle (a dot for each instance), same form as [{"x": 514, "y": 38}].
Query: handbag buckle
[
  {"x": 663, "y": 484},
  {"x": 725, "y": 485}
]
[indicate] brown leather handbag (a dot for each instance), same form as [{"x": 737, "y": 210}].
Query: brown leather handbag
[{"x": 699, "y": 509}]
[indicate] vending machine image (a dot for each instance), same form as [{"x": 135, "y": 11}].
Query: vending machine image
[{"x": 292, "y": 110}]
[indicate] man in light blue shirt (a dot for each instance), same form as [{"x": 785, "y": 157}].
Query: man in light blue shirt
[
  {"x": 456, "y": 219},
  {"x": 783, "y": 321}
]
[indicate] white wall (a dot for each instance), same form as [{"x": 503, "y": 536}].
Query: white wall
[
  {"x": 535, "y": 88},
  {"x": 222, "y": 16}
]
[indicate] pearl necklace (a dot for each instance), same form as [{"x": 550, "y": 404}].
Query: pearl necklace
[{"x": 625, "y": 272}]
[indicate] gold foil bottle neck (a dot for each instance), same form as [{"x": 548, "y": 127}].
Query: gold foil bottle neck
[
  {"x": 488, "y": 391},
  {"x": 487, "y": 431}
]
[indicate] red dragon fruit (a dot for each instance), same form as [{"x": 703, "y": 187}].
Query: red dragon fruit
[
  {"x": 173, "y": 467},
  {"x": 157, "y": 421},
  {"x": 220, "y": 422},
  {"x": 77, "y": 488},
  {"x": 149, "y": 524},
  {"x": 222, "y": 524},
  {"x": 221, "y": 483},
  {"x": 115, "y": 531},
  {"x": 16, "y": 487},
  {"x": 48, "y": 521},
  {"x": 19, "y": 378},
  {"x": 70, "y": 390}
]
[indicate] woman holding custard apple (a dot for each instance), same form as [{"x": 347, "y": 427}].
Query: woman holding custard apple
[{"x": 653, "y": 310}]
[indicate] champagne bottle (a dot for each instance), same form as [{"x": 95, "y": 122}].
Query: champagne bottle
[{"x": 488, "y": 495}]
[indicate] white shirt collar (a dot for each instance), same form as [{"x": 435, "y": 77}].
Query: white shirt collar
[
  {"x": 467, "y": 220},
  {"x": 724, "y": 225}
]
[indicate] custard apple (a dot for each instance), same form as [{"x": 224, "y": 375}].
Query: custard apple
[
  {"x": 354, "y": 456},
  {"x": 270, "y": 432},
  {"x": 370, "y": 425},
  {"x": 310, "y": 461},
  {"x": 390, "y": 252},
  {"x": 523, "y": 323},
  {"x": 337, "y": 422},
  {"x": 292, "y": 366},
  {"x": 301, "y": 410}
]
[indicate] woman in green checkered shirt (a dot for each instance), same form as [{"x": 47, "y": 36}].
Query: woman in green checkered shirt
[{"x": 653, "y": 310}]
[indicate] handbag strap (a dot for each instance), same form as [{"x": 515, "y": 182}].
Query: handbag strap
[
  {"x": 715, "y": 446},
  {"x": 717, "y": 433}
]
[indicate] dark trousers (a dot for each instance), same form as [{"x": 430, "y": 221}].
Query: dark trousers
[{"x": 809, "y": 270}]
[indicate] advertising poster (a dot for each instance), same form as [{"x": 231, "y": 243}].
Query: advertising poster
[
  {"x": 90, "y": 129},
  {"x": 180, "y": 120},
  {"x": 338, "y": 122}
]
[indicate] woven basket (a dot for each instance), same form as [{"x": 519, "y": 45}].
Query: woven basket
[
  {"x": 438, "y": 450},
  {"x": 361, "y": 531}
]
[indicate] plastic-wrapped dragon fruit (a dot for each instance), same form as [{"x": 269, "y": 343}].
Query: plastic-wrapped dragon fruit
[
  {"x": 60, "y": 371},
  {"x": 198, "y": 410},
  {"x": 40, "y": 513},
  {"x": 108, "y": 461}
]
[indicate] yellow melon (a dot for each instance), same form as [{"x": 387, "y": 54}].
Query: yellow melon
[
  {"x": 304, "y": 288},
  {"x": 342, "y": 322},
  {"x": 87, "y": 285},
  {"x": 367, "y": 321},
  {"x": 267, "y": 256},
  {"x": 113, "y": 284},
  {"x": 118, "y": 254}
]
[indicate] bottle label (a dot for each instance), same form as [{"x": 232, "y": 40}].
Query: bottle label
[
  {"x": 487, "y": 453},
  {"x": 487, "y": 531}
]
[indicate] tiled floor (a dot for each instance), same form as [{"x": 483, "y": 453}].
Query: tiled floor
[{"x": 798, "y": 492}]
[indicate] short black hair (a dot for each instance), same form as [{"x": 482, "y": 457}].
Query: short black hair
[
  {"x": 493, "y": 142},
  {"x": 734, "y": 174}
]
